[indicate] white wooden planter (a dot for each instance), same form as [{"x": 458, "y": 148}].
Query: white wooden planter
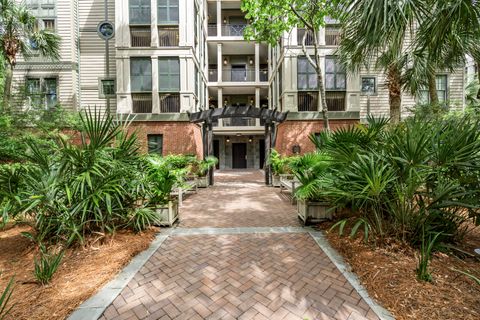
[
  {"x": 309, "y": 211},
  {"x": 276, "y": 180},
  {"x": 168, "y": 214},
  {"x": 202, "y": 182}
]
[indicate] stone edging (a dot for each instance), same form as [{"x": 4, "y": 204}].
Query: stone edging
[
  {"x": 94, "y": 307},
  {"x": 338, "y": 261}
]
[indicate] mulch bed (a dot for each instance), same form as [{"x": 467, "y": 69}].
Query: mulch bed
[
  {"x": 388, "y": 273},
  {"x": 83, "y": 271}
]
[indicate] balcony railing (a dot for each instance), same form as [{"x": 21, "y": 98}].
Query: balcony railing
[
  {"x": 332, "y": 36},
  {"x": 239, "y": 122},
  {"x": 263, "y": 75},
  {"x": 238, "y": 75},
  {"x": 140, "y": 36},
  {"x": 213, "y": 75},
  {"x": 212, "y": 30},
  {"x": 168, "y": 36},
  {"x": 142, "y": 102},
  {"x": 309, "y": 40},
  {"x": 233, "y": 30},
  {"x": 335, "y": 100},
  {"x": 169, "y": 102}
]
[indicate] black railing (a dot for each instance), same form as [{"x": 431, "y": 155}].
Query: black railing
[
  {"x": 142, "y": 102},
  {"x": 168, "y": 36},
  {"x": 335, "y": 100},
  {"x": 332, "y": 36},
  {"x": 238, "y": 75},
  {"x": 140, "y": 36},
  {"x": 233, "y": 30},
  {"x": 212, "y": 30},
  {"x": 309, "y": 40},
  {"x": 169, "y": 102},
  {"x": 308, "y": 101}
]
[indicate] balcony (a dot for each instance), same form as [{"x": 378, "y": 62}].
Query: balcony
[
  {"x": 233, "y": 30},
  {"x": 169, "y": 102},
  {"x": 212, "y": 30},
  {"x": 309, "y": 40},
  {"x": 332, "y": 36},
  {"x": 239, "y": 122},
  {"x": 308, "y": 101},
  {"x": 238, "y": 75},
  {"x": 213, "y": 75},
  {"x": 168, "y": 36},
  {"x": 142, "y": 102},
  {"x": 140, "y": 36}
]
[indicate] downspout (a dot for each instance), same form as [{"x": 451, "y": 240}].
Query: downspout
[{"x": 79, "y": 92}]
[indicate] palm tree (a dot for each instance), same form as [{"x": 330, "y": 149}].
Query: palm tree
[
  {"x": 20, "y": 34},
  {"x": 374, "y": 35}
]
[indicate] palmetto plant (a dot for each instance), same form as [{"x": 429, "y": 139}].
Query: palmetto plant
[
  {"x": 5, "y": 296},
  {"x": 20, "y": 34},
  {"x": 46, "y": 265}
]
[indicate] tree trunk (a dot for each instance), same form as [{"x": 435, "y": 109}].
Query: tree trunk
[
  {"x": 432, "y": 89},
  {"x": 394, "y": 92},
  {"x": 322, "y": 99},
  {"x": 8, "y": 88}
]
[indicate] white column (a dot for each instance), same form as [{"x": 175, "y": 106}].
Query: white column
[
  {"x": 124, "y": 98},
  {"x": 257, "y": 104},
  {"x": 155, "y": 97},
  {"x": 219, "y": 18},
  {"x": 122, "y": 21},
  {"x": 219, "y": 62},
  {"x": 220, "y": 104},
  {"x": 154, "y": 24},
  {"x": 257, "y": 62}
]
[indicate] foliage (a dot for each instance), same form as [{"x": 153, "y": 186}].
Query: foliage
[
  {"x": 279, "y": 163},
  {"x": 47, "y": 265},
  {"x": 142, "y": 218},
  {"x": 425, "y": 255},
  {"x": 471, "y": 94},
  {"x": 309, "y": 170},
  {"x": 4, "y": 299}
]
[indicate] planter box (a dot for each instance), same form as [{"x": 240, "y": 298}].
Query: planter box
[
  {"x": 202, "y": 182},
  {"x": 276, "y": 180},
  {"x": 168, "y": 214},
  {"x": 309, "y": 211}
]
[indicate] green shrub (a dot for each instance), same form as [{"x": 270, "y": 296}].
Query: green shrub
[
  {"x": 279, "y": 164},
  {"x": 47, "y": 265},
  {"x": 426, "y": 249},
  {"x": 142, "y": 218},
  {"x": 4, "y": 299}
]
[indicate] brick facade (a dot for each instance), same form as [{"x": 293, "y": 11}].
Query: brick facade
[
  {"x": 178, "y": 137},
  {"x": 291, "y": 133}
]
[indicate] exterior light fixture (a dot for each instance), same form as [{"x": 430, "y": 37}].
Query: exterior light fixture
[
  {"x": 252, "y": 102},
  {"x": 228, "y": 139},
  {"x": 225, "y": 61},
  {"x": 225, "y": 102},
  {"x": 250, "y": 139},
  {"x": 296, "y": 149},
  {"x": 250, "y": 61},
  {"x": 225, "y": 20}
]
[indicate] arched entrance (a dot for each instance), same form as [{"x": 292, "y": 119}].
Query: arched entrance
[{"x": 270, "y": 117}]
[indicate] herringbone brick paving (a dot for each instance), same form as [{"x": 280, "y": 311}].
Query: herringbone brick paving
[{"x": 243, "y": 276}]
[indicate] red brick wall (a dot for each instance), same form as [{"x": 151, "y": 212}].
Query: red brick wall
[
  {"x": 178, "y": 137},
  {"x": 292, "y": 133}
]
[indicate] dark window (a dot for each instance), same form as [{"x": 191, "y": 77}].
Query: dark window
[
  {"x": 42, "y": 92},
  {"x": 167, "y": 11},
  {"x": 441, "y": 80},
  {"x": 307, "y": 76},
  {"x": 155, "y": 143},
  {"x": 168, "y": 74},
  {"x": 141, "y": 74},
  {"x": 49, "y": 24},
  {"x": 107, "y": 88},
  {"x": 335, "y": 75},
  {"x": 140, "y": 11},
  {"x": 369, "y": 85}
]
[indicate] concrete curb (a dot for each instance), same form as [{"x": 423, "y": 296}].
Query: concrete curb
[
  {"x": 94, "y": 307},
  {"x": 245, "y": 230},
  {"x": 338, "y": 261}
]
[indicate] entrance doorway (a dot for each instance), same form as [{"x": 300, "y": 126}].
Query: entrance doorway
[
  {"x": 262, "y": 152},
  {"x": 239, "y": 155},
  {"x": 216, "y": 152}
]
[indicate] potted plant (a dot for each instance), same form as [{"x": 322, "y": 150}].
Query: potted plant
[
  {"x": 201, "y": 170},
  {"x": 162, "y": 179},
  {"x": 279, "y": 167},
  {"x": 310, "y": 170}
]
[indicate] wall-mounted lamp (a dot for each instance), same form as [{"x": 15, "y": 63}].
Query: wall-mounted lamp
[
  {"x": 250, "y": 139},
  {"x": 225, "y": 61},
  {"x": 225, "y": 102},
  {"x": 228, "y": 140},
  {"x": 225, "y": 20},
  {"x": 250, "y": 61},
  {"x": 252, "y": 102},
  {"x": 296, "y": 149}
]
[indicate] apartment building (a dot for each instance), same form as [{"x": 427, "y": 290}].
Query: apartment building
[{"x": 155, "y": 60}]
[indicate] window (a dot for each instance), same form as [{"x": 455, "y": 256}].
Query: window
[
  {"x": 141, "y": 74},
  {"x": 307, "y": 76},
  {"x": 335, "y": 76},
  {"x": 442, "y": 87},
  {"x": 42, "y": 8},
  {"x": 369, "y": 86},
  {"x": 155, "y": 143},
  {"x": 332, "y": 35},
  {"x": 169, "y": 74},
  {"x": 167, "y": 11},
  {"x": 42, "y": 92},
  {"x": 49, "y": 24},
  {"x": 140, "y": 12},
  {"x": 107, "y": 88}
]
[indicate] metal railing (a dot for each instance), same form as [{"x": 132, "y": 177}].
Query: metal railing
[
  {"x": 142, "y": 102},
  {"x": 308, "y": 101},
  {"x": 213, "y": 75},
  {"x": 239, "y": 122},
  {"x": 168, "y": 37},
  {"x": 332, "y": 36},
  {"x": 309, "y": 40},
  {"x": 233, "y": 30},
  {"x": 263, "y": 75},
  {"x": 212, "y": 30},
  {"x": 140, "y": 36},
  {"x": 169, "y": 102},
  {"x": 238, "y": 75}
]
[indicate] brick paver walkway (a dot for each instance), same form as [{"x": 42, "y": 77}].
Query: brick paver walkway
[{"x": 239, "y": 276}]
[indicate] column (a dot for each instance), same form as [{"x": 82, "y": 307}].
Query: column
[
  {"x": 122, "y": 21},
  {"x": 219, "y": 18},
  {"x": 155, "y": 96},
  {"x": 154, "y": 24},
  {"x": 220, "y": 104},
  {"x": 257, "y": 62},
  {"x": 257, "y": 104},
  {"x": 219, "y": 62}
]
